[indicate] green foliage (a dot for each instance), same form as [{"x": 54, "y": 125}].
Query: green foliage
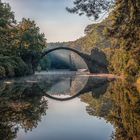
[
  {"x": 12, "y": 66},
  {"x": 123, "y": 63},
  {"x": 122, "y": 31},
  {"x": 92, "y": 8},
  {"x": 45, "y": 63},
  {"x": 20, "y": 44},
  {"x": 7, "y": 63},
  {"x": 118, "y": 61},
  {"x": 31, "y": 42},
  {"x": 30, "y": 38},
  {"x": 7, "y": 17},
  {"x": 20, "y": 67},
  {"x": 125, "y": 34},
  {"x": 126, "y": 110},
  {"x": 2, "y": 72},
  {"x": 22, "y": 106},
  {"x": 7, "y": 29}
]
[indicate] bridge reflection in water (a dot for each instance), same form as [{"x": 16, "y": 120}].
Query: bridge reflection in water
[
  {"x": 40, "y": 99},
  {"x": 63, "y": 86},
  {"x": 67, "y": 87}
]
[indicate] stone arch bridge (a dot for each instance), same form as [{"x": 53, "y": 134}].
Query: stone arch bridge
[{"x": 94, "y": 64}]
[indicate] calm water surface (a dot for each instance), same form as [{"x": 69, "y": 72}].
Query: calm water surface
[{"x": 68, "y": 106}]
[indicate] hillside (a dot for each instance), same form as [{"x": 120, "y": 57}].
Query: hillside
[{"x": 94, "y": 37}]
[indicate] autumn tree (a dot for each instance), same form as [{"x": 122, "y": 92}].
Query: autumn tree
[
  {"x": 30, "y": 42},
  {"x": 20, "y": 44},
  {"x": 124, "y": 29},
  {"x": 23, "y": 108},
  {"x": 119, "y": 105}
]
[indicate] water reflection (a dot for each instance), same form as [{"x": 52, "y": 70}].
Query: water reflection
[
  {"x": 120, "y": 105},
  {"x": 27, "y": 102},
  {"x": 21, "y": 106}
]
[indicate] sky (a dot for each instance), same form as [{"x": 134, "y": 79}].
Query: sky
[{"x": 51, "y": 16}]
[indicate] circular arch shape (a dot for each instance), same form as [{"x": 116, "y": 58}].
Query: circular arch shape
[
  {"x": 63, "y": 99},
  {"x": 67, "y": 98},
  {"x": 65, "y": 48}
]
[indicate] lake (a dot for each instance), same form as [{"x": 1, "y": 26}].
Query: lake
[{"x": 69, "y": 106}]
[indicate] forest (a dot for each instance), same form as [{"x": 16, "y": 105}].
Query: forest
[
  {"x": 21, "y": 44},
  {"x": 118, "y": 36},
  {"x": 118, "y": 105},
  {"x": 110, "y": 104}
]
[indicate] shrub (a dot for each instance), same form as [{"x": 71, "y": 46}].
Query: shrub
[
  {"x": 2, "y": 72},
  {"x": 13, "y": 66},
  {"x": 6, "y": 63},
  {"x": 20, "y": 68}
]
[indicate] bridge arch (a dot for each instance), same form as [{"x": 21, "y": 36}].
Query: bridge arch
[
  {"x": 92, "y": 85},
  {"x": 70, "y": 49}
]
